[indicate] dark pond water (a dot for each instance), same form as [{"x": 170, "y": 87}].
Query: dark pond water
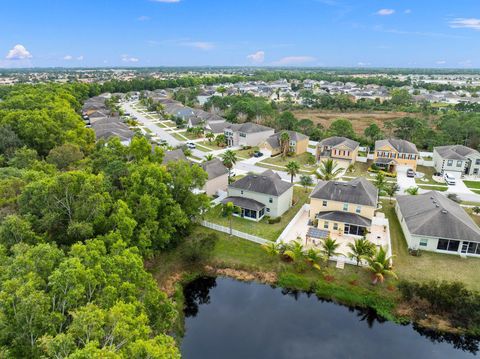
[{"x": 229, "y": 319}]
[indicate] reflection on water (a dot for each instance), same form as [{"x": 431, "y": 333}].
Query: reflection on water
[{"x": 230, "y": 319}]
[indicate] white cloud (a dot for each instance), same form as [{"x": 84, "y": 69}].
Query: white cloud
[
  {"x": 80, "y": 58},
  {"x": 385, "y": 12},
  {"x": 363, "y": 64},
  {"x": 202, "y": 45},
  {"x": 19, "y": 52},
  {"x": 441, "y": 62},
  {"x": 470, "y": 23},
  {"x": 143, "y": 18},
  {"x": 257, "y": 57},
  {"x": 127, "y": 58},
  {"x": 408, "y": 11},
  {"x": 166, "y": 1},
  {"x": 294, "y": 60},
  {"x": 68, "y": 57}
]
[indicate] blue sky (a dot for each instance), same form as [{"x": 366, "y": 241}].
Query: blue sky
[{"x": 406, "y": 33}]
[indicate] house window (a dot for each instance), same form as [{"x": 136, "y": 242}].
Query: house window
[
  {"x": 459, "y": 163},
  {"x": 324, "y": 203},
  {"x": 477, "y": 162},
  {"x": 449, "y": 162},
  {"x": 325, "y": 225},
  {"x": 268, "y": 209},
  {"x": 448, "y": 245},
  {"x": 335, "y": 226},
  {"x": 270, "y": 200},
  {"x": 241, "y": 134},
  {"x": 241, "y": 192},
  {"x": 345, "y": 206},
  {"x": 358, "y": 209},
  {"x": 423, "y": 242},
  {"x": 473, "y": 247}
]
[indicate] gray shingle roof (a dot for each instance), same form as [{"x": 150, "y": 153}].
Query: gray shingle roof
[
  {"x": 434, "y": 215},
  {"x": 345, "y": 217},
  {"x": 401, "y": 146},
  {"x": 336, "y": 141},
  {"x": 357, "y": 191},
  {"x": 217, "y": 127},
  {"x": 242, "y": 202},
  {"x": 248, "y": 127},
  {"x": 268, "y": 183},
  {"x": 455, "y": 152},
  {"x": 175, "y": 155},
  {"x": 214, "y": 168}
]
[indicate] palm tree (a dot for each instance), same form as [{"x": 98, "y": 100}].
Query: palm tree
[
  {"x": 413, "y": 191},
  {"x": 313, "y": 257},
  {"x": 328, "y": 170},
  {"x": 272, "y": 248},
  {"x": 305, "y": 181},
  {"x": 329, "y": 247},
  {"x": 293, "y": 168},
  {"x": 361, "y": 249},
  {"x": 380, "y": 182},
  {"x": 210, "y": 136},
  {"x": 295, "y": 251},
  {"x": 284, "y": 143},
  {"x": 208, "y": 157},
  {"x": 379, "y": 265},
  {"x": 229, "y": 209},
  {"x": 229, "y": 158},
  {"x": 392, "y": 189}
]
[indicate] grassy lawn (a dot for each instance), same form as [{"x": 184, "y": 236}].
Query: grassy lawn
[
  {"x": 472, "y": 184},
  {"x": 427, "y": 179},
  {"x": 312, "y": 146},
  {"x": 434, "y": 188},
  {"x": 261, "y": 229},
  {"x": 245, "y": 153},
  {"x": 475, "y": 218},
  {"x": 178, "y": 136},
  {"x": 210, "y": 145},
  {"x": 303, "y": 170},
  {"x": 360, "y": 169},
  {"x": 429, "y": 266},
  {"x": 202, "y": 148},
  {"x": 302, "y": 160}
]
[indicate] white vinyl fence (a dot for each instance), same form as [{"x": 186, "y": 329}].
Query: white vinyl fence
[{"x": 236, "y": 233}]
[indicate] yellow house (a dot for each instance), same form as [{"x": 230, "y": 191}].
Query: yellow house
[
  {"x": 391, "y": 153},
  {"x": 298, "y": 143},
  {"x": 341, "y": 149},
  {"x": 344, "y": 208}
]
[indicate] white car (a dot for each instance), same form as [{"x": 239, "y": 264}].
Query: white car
[
  {"x": 449, "y": 179},
  {"x": 191, "y": 145}
]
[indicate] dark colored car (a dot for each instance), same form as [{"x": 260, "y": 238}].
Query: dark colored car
[
  {"x": 258, "y": 154},
  {"x": 410, "y": 173}
]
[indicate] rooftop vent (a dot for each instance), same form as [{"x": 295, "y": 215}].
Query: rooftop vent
[{"x": 437, "y": 206}]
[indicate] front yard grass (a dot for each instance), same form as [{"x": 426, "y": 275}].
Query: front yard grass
[
  {"x": 429, "y": 266},
  {"x": 472, "y": 184},
  {"x": 302, "y": 160},
  {"x": 427, "y": 179},
  {"x": 178, "y": 136},
  {"x": 262, "y": 228},
  {"x": 433, "y": 188},
  {"x": 245, "y": 153},
  {"x": 360, "y": 169}
]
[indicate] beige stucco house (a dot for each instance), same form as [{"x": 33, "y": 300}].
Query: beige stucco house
[
  {"x": 298, "y": 143},
  {"x": 246, "y": 134},
  {"x": 259, "y": 195},
  {"x": 392, "y": 153},
  {"x": 217, "y": 176}
]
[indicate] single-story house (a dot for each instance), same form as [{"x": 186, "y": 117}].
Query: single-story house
[
  {"x": 258, "y": 195},
  {"x": 432, "y": 222}
]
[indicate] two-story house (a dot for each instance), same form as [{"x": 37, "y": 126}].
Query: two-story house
[
  {"x": 393, "y": 153},
  {"x": 217, "y": 176},
  {"x": 259, "y": 195},
  {"x": 297, "y": 143},
  {"x": 457, "y": 160},
  {"x": 344, "y": 208},
  {"x": 246, "y": 134},
  {"x": 341, "y": 149}
]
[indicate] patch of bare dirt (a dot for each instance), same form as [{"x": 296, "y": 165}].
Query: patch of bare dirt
[{"x": 263, "y": 277}]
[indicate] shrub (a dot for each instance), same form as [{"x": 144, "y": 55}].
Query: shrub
[
  {"x": 274, "y": 220},
  {"x": 200, "y": 248}
]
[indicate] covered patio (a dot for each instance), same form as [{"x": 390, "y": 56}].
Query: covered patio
[
  {"x": 386, "y": 164},
  {"x": 249, "y": 208}
]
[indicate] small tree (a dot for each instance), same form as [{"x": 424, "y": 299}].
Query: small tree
[
  {"x": 293, "y": 168},
  {"x": 328, "y": 170},
  {"x": 412, "y": 191},
  {"x": 329, "y": 247},
  {"x": 229, "y": 158},
  {"x": 392, "y": 189},
  {"x": 361, "y": 249},
  {"x": 209, "y": 157},
  {"x": 476, "y": 210},
  {"x": 284, "y": 143},
  {"x": 313, "y": 257},
  {"x": 379, "y": 265},
  {"x": 210, "y": 136},
  {"x": 305, "y": 181},
  {"x": 380, "y": 182},
  {"x": 229, "y": 209}
]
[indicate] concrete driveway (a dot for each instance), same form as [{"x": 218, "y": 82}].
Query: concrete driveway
[{"x": 403, "y": 181}]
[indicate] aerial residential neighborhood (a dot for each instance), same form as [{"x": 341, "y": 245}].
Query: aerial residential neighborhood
[{"x": 288, "y": 179}]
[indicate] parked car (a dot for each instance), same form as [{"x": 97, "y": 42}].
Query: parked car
[
  {"x": 191, "y": 145},
  {"x": 449, "y": 179},
  {"x": 410, "y": 173},
  {"x": 258, "y": 154}
]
